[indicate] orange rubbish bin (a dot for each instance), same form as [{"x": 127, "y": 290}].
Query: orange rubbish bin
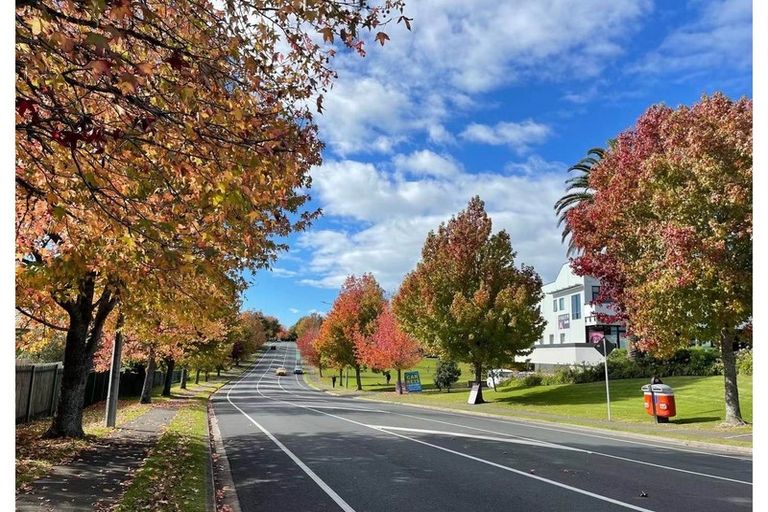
[{"x": 659, "y": 402}]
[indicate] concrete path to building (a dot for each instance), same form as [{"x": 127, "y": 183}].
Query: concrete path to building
[
  {"x": 295, "y": 448},
  {"x": 96, "y": 478}
]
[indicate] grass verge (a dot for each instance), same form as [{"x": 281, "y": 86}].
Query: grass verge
[
  {"x": 700, "y": 405},
  {"x": 174, "y": 476}
]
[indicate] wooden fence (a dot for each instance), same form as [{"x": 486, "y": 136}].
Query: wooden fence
[{"x": 38, "y": 387}]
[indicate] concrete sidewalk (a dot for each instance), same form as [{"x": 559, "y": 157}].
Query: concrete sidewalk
[{"x": 95, "y": 479}]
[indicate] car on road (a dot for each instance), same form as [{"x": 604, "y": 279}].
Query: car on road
[
  {"x": 281, "y": 371},
  {"x": 298, "y": 370}
]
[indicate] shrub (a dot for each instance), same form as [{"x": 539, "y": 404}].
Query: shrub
[
  {"x": 744, "y": 362},
  {"x": 534, "y": 379},
  {"x": 446, "y": 373}
]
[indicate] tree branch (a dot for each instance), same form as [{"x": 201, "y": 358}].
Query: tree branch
[{"x": 41, "y": 320}]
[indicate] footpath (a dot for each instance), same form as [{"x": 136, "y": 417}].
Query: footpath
[{"x": 97, "y": 478}]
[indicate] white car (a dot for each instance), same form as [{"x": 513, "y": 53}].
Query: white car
[{"x": 501, "y": 375}]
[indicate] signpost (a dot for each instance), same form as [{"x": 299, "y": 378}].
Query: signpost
[
  {"x": 605, "y": 347},
  {"x": 412, "y": 381},
  {"x": 473, "y": 393}
]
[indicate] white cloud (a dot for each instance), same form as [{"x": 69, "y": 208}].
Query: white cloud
[
  {"x": 421, "y": 80},
  {"x": 518, "y": 136},
  {"x": 427, "y": 163},
  {"x": 720, "y": 38},
  {"x": 395, "y": 213},
  {"x": 282, "y": 272},
  {"x": 293, "y": 310}
]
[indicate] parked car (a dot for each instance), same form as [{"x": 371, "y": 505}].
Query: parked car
[
  {"x": 500, "y": 375},
  {"x": 298, "y": 370},
  {"x": 281, "y": 371}
]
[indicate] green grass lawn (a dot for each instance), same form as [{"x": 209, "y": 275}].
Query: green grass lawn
[
  {"x": 377, "y": 382},
  {"x": 173, "y": 477},
  {"x": 700, "y": 403}
]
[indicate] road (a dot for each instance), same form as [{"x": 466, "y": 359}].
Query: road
[{"x": 291, "y": 447}]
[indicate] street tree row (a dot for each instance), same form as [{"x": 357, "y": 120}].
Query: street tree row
[{"x": 162, "y": 149}]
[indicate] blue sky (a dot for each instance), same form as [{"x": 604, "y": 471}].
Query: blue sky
[{"x": 495, "y": 99}]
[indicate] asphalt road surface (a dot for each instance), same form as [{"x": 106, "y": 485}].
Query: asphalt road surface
[{"x": 291, "y": 447}]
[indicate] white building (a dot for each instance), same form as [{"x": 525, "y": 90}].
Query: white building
[{"x": 571, "y": 323}]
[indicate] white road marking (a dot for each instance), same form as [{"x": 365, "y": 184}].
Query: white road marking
[
  {"x": 483, "y": 461},
  {"x": 597, "y": 436},
  {"x": 475, "y": 436},
  {"x": 557, "y": 446},
  {"x": 319, "y": 481},
  {"x": 626, "y": 459}
]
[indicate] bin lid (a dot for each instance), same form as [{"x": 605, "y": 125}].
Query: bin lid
[{"x": 657, "y": 388}]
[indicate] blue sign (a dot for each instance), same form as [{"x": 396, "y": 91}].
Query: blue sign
[{"x": 412, "y": 382}]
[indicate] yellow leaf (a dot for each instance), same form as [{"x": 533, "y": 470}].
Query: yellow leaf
[{"x": 37, "y": 26}]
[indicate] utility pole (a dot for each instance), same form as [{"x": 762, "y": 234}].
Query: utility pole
[
  {"x": 114, "y": 373},
  {"x": 607, "y": 388}
]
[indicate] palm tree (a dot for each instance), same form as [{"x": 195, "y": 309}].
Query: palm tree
[{"x": 577, "y": 191}]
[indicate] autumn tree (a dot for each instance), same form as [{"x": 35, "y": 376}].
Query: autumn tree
[
  {"x": 154, "y": 136},
  {"x": 388, "y": 346},
  {"x": 466, "y": 300},
  {"x": 311, "y": 321},
  {"x": 353, "y": 314},
  {"x": 306, "y": 345},
  {"x": 249, "y": 335},
  {"x": 669, "y": 230}
]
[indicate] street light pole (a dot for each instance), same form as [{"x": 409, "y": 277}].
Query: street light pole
[
  {"x": 607, "y": 387},
  {"x": 114, "y": 373}
]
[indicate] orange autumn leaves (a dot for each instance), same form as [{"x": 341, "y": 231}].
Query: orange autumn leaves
[{"x": 361, "y": 330}]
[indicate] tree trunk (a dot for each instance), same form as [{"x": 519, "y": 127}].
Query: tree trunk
[
  {"x": 149, "y": 377},
  {"x": 206, "y": 375},
  {"x": 183, "y": 384},
  {"x": 83, "y": 338},
  {"x": 479, "y": 381},
  {"x": 732, "y": 406},
  {"x": 218, "y": 371},
  {"x": 399, "y": 383},
  {"x": 357, "y": 379},
  {"x": 169, "y": 364},
  {"x": 197, "y": 376},
  {"x": 68, "y": 421},
  {"x": 320, "y": 369}
]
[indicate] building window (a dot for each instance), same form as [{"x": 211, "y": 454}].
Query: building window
[
  {"x": 554, "y": 305},
  {"x": 576, "y": 306},
  {"x": 595, "y": 293},
  {"x": 551, "y": 339},
  {"x": 563, "y": 321},
  {"x": 562, "y": 337},
  {"x": 561, "y": 302}
]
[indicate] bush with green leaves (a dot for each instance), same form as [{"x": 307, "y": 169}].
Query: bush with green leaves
[
  {"x": 694, "y": 361},
  {"x": 744, "y": 362},
  {"x": 446, "y": 373},
  {"x": 533, "y": 379}
]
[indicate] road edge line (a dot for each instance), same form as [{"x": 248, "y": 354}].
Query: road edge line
[{"x": 221, "y": 467}]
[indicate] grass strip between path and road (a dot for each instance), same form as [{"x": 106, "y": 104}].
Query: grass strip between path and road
[
  {"x": 175, "y": 475},
  {"x": 700, "y": 403}
]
